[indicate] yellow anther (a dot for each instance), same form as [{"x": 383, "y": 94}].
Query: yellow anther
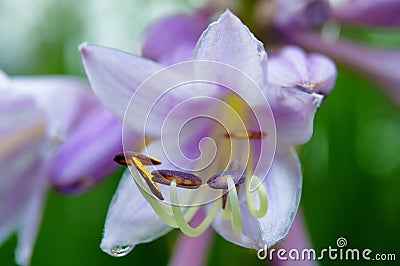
[{"x": 147, "y": 177}]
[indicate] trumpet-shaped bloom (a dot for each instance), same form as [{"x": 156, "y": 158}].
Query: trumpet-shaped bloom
[
  {"x": 38, "y": 114},
  {"x": 132, "y": 219}
]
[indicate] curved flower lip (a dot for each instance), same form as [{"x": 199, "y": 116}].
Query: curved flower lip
[{"x": 383, "y": 13}]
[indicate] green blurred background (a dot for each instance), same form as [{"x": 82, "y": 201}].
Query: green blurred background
[{"x": 351, "y": 167}]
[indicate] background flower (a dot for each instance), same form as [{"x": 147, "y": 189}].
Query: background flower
[{"x": 351, "y": 164}]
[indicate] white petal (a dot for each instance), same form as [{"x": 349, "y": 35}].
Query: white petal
[{"x": 130, "y": 219}]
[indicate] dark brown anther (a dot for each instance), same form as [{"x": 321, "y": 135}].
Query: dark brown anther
[
  {"x": 248, "y": 134},
  {"x": 183, "y": 179},
  {"x": 125, "y": 158},
  {"x": 220, "y": 181}
]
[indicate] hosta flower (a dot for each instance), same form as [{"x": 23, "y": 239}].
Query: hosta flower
[
  {"x": 297, "y": 23},
  {"x": 38, "y": 115},
  {"x": 137, "y": 213}
]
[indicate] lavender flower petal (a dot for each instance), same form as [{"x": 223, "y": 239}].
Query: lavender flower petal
[
  {"x": 115, "y": 75},
  {"x": 283, "y": 185},
  {"x": 172, "y": 40},
  {"x": 38, "y": 113},
  {"x": 130, "y": 219},
  {"x": 292, "y": 67},
  {"x": 85, "y": 158},
  {"x": 298, "y": 82},
  {"x": 22, "y": 133},
  {"x": 62, "y": 100},
  {"x": 23, "y": 182},
  {"x": 380, "y": 65},
  {"x": 229, "y": 41},
  {"x": 383, "y": 13},
  {"x": 30, "y": 221}
]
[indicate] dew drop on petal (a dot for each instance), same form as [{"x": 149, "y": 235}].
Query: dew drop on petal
[{"x": 119, "y": 251}]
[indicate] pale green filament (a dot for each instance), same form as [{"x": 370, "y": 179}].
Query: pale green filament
[
  {"x": 161, "y": 210},
  {"x": 227, "y": 213},
  {"x": 172, "y": 217},
  {"x": 165, "y": 213},
  {"x": 180, "y": 219},
  {"x": 235, "y": 208},
  {"x": 262, "y": 196}
]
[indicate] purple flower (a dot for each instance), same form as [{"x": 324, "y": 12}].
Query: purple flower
[
  {"x": 38, "y": 116},
  {"x": 134, "y": 215},
  {"x": 297, "y": 23}
]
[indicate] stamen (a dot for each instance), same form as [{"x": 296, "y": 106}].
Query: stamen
[
  {"x": 248, "y": 134},
  {"x": 262, "y": 196},
  {"x": 235, "y": 207},
  {"x": 308, "y": 88},
  {"x": 183, "y": 179},
  {"x": 125, "y": 158},
  {"x": 220, "y": 181},
  {"x": 161, "y": 210},
  {"x": 180, "y": 219},
  {"x": 147, "y": 177},
  {"x": 164, "y": 212}
]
